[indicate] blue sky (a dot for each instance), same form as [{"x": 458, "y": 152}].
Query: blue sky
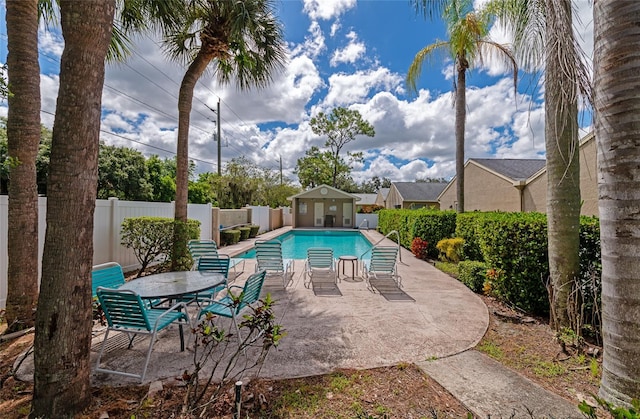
[{"x": 341, "y": 53}]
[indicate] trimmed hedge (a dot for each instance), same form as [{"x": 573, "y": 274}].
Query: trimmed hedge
[
  {"x": 428, "y": 224},
  {"x": 244, "y": 232},
  {"x": 254, "y": 231},
  {"x": 473, "y": 274},
  {"x": 228, "y": 237}
]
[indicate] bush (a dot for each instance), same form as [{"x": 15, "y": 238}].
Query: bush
[
  {"x": 428, "y": 224},
  {"x": 473, "y": 274},
  {"x": 244, "y": 232},
  {"x": 253, "y": 230},
  {"x": 151, "y": 238},
  {"x": 228, "y": 237},
  {"x": 419, "y": 248},
  {"x": 451, "y": 249},
  {"x": 516, "y": 244}
]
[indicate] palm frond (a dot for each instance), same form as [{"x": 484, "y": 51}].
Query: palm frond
[{"x": 439, "y": 49}]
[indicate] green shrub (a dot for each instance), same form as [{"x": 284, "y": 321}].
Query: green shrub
[
  {"x": 451, "y": 249},
  {"x": 253, "y": 230},
  {"x": 473, "y": 274},
  {"x": 466, "y": 228},
  {"x": 151, "y": 238},
  {"x": 244, "y": 232},
  {"x": 228, "y": 237},
  {"x": 516, "y": 244},
  {"x": 428, "y": 224}
]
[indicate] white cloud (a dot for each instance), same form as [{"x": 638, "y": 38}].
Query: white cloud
[
  {"x": 351, "y": 53},
  {"x": 327, "y": 9},
  {"x": 314, "y": 44},
  {"x": 345, "y": 89}
]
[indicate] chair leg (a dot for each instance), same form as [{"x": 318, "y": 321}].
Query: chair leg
[
  {"x": 131, "y": 337},
  {"x": 146, "y": 362},
  {"x": 104, "y": 344}
]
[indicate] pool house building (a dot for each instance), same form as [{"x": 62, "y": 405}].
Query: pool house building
[{"x": 323, "y": 206}]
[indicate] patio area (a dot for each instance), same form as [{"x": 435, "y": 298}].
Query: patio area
[{"x": 359, "y": 329}]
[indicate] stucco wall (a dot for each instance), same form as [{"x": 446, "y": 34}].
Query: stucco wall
[
  {"x": 535, "y": 194},
  {"x": 589, "y": 178},
  {"x": 485, "y": 191},
  {"x": 394, "y": 200}
]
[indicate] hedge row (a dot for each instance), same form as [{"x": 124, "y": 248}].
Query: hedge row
[
  {"x": 428, "y": 224},
  {"x": 513, "y": 246}
]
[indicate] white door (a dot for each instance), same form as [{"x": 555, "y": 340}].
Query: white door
[
  {"x": 347, "y": 214},
  {"x": 318, "y": 214}
]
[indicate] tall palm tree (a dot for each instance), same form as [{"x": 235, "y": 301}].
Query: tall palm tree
[
  {"x": 245, "y": 41},
  {"x": 64, "y": 320},
  {"x": 23, "y": 135},
  {"x": 617, "y": 105},
  {"x": 468, "y": 43},
  {"x": 543, "y": 38},
  {"x": 23, "y": 129}
]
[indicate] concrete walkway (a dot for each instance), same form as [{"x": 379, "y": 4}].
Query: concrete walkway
[{"x": 361, "y": 329}]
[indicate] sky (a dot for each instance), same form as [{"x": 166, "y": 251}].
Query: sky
[{"x": 346, "y": 53}]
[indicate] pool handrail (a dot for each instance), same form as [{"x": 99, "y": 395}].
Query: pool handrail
[{"x": 379, "y": 241}]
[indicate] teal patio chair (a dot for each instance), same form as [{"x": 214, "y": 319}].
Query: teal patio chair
[
  {"x": 127, "y": 313},
  {"x": 229, "y": 308},
  {"x": 383, "y": 264},
  {"x": 199, "y": 248},
  {"x": 210, "y": 263},
  {"x": 106, "y": 275},
  {"x": 269, "y": 258},
  {"x": 319, "y": 259}
]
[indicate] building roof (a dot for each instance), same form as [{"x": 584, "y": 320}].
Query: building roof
[
  {"x": 366, "y": 198},
  {"x": 384, "y": 192},
  {"x": 420, "y": 191},
  {"x": 515, "y": 169},
  {"x": 322, "y": 191}
]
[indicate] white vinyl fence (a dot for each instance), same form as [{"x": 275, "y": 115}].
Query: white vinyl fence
[{"x": 108, "y": 217}]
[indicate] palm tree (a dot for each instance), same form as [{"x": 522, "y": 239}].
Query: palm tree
[
  {"x": 245, "y": 40},
  {"x": 23, "y": 135},
  {"x": 64, "y": 320},
  {"x": 543, "y": 37},
  {"x": 468, "y": 42},
  {"x": 617, "y": 73}
]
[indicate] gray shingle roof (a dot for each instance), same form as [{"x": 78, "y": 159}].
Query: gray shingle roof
[
  {"x": 384, "y": 192},
  {"x": 516, "y": 169},
  {"x": 420, "y": 191},
  {"x": 366, "y": 198}
]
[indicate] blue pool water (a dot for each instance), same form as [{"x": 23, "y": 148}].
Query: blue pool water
[{"x": 296, "y": 242}]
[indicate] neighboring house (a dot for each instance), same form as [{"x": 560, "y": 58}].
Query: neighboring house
[
  {"x": 493, "y": 184},
  {"x": 366, "y": 203},
  {"x": 381, "y": 197},
  {"x": 519, "y": 184},
  {"x": 323, "y": 206},
  {"x": 413, "y": 195}
]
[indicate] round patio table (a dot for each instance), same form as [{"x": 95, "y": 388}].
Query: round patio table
[
  {"x": 354, "y": 265},
  {"x": 174, "y": 284}
]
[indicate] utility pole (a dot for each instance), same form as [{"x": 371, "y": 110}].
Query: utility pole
[
  {"x": 280, "y": 170},
  {"x": 219, "y": 141},
  {"x": 217, "y": 136}
]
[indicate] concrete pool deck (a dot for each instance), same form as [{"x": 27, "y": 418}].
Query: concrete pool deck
[{"x": 361, "y": 330}]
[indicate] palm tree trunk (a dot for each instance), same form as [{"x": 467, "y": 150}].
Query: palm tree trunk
[
  {"x": 563, "y": 171},
  {"x": 617, "y": 105},
  {"x": 179, "y": 253},
  {"x": 461, "y": 114},
  {"x": 64, "y": 317},
  {"x": 23, "y": 135}
]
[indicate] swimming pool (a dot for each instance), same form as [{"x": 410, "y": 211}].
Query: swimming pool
[{"x": 296, "y": 242}]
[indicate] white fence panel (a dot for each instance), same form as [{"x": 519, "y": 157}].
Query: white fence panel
[
  {"x": 287, "y": 217},
  {"x": 108, "y": 217},
  {"x": 365, "y": 221},
  {"x": 260, "y": 216}
]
